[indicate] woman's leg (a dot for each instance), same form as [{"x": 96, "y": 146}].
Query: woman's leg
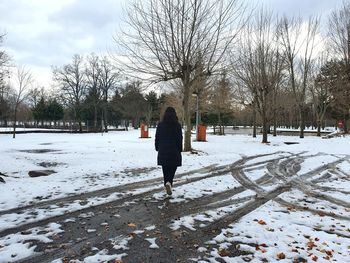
[
  {"x": 172, "y": 171},
  {"x": 165, "y": 174},
  {"x": 169, "y": 173}
]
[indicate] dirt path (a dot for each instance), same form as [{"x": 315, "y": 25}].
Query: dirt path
[{"x": 135, "y": 215}]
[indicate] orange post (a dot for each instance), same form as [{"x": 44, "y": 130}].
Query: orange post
[
  {"x": 201, "y": 133},
  {"x": 144, "y": 131}
]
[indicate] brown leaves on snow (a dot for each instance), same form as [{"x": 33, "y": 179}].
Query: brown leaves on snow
[{"x": 260, "y": 221}]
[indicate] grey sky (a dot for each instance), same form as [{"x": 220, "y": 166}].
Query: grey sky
[{"x": 42, "y": 33}]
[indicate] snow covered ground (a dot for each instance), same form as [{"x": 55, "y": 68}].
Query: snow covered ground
[{"x": 278, "y": 230}]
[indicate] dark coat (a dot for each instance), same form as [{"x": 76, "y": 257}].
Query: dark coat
[{"x": 168, "y": 143}]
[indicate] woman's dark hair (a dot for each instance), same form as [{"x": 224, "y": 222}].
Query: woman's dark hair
[{"x": 170, "y": 115}]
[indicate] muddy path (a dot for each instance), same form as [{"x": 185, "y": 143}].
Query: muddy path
[{"x": 128, "y": 224}]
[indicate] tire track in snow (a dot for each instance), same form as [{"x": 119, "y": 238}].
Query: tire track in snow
[{"x": 139, "y": 210}]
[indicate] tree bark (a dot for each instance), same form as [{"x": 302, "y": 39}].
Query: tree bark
[
  {"x": 14, "y": 123},
  {"x": 187, "y": 92},
  {"x": 95, "y": 117},
  {"x": 274, "y": 123},
  {"x": 105, "y": 117},
  {"x": 187, "y": 114},
  {"x": 254, "y": 121},
  {"x": 302, "y": 122},
  {"x": 318, "y": 128},
  {"x": 264, "y": 139}
]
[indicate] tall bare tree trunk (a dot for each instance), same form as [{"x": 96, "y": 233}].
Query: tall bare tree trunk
[
  {"x": 318, "y": 127},
  {"x": 302, "y": 121},
  {"x": 187, "y": 113},
  {"x": 105, "y": 117},
  {"x": 95, "y": 117},
  {"x": 254, "y": 122},
  {"x": 14, "y": 123},
  {"x": 265, "y": 131},
  {"x": 274, "y": 123}
]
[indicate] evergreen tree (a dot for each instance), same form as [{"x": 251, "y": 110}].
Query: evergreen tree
[
  {"x": 153, "y": 107},
  {"x": 39, "y": 111},
  {"x": 54, "y": 111}
]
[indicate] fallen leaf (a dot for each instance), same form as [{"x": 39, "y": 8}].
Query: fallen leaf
[
  {"x": 261, "y": 222},
  {"x": 131, "y": 225},
  {"x": 281, "y": 255},
  {"x": 310, "y": 245},
  {"x": 314, "y": 258},
  {"x": 118, "y": 261},
  {"x": 223, "y": 253}
]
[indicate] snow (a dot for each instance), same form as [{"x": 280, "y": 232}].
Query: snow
[
  {"x": 199, "y": 189},
  {"x": 18, "y": 246},
  {"x": 294, "y": 233},
  {"x": 101, "y": 256},
  {"x": 10, "y": 129},
  {"x": 87, "y": 162},
  {"x": 189, "y": 221},
  {"x": 120, "y": 242},
  {"x": 152, "y": 242},
  {"x": 90, "y": 162},
  {"x": 149, "y": 228}
]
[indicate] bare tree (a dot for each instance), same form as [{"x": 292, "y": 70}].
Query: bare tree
[
  {"x": 221, "y": 100},
  {"x": 22, "y": 81},
  {"x": 339, "y": 42},
  {"x": 71, "y": 80},
  {"x": 93, "y": 75},
  {"x": 4, "y": 63},
  {"x": 108, "y": 82},
  {"x": 299, "y": 44},
  {"x": 5, "y": 102},
  {"x": 4, "y": 87},
  {"x": 35, "y": 94},
  {"x": 320, "y": 90},
  {"x": 259, "y": 65},
  {"x": 339, "y": 33},
  {"x": 168, "y": 39},
  {"x": 201, "y": 88}
]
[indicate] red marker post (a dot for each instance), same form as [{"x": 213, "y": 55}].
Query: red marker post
[{"x": 144, "y": 130}]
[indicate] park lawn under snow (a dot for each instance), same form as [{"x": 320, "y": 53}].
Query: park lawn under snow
[{"x": 88, "y": 162}]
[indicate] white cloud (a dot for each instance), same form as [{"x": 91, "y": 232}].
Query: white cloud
[{"x": 42, "y": 33}]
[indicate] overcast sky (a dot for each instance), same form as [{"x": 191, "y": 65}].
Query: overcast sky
[{"x": 42, "y": 33}]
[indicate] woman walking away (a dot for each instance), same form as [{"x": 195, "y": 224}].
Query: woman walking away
[{"x": 168, "y": 144}]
